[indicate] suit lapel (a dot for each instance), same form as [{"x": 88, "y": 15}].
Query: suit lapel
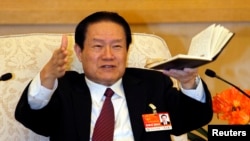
[
  {"x": 136, "y": 97},
  {"x": 82, "y": 107}
]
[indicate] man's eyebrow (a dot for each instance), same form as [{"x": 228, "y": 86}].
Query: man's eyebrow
[
  {"x": 113, "y": 41},
  {"x": 97, "y": 40},
  {"x": 117, "y": 41}
]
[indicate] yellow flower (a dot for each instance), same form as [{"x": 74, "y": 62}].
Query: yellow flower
[{"x": 233, "y": 106}]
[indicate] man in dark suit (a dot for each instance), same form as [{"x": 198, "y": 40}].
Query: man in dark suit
[{"x": 64, "y": 105}]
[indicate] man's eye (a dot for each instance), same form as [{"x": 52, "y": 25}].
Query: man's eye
[
  {"x": 97, "y": 46},
  {"x": 117, "y": 46}
]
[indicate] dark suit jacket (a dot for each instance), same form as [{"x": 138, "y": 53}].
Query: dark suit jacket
[{"x": 67, "y": 115}]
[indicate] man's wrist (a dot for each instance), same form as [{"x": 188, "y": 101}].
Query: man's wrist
[{"x": 192, "y": 85}]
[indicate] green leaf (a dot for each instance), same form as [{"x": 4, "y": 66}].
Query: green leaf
[
  {"x": 194, "y": 137},
  {"x": 202, "y": 131}
]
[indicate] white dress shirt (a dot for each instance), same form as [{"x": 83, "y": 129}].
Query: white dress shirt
[{"x": 39, "y": 96}]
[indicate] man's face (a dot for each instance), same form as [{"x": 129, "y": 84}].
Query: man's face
[
  {"x": 104, "y": 53},
  {"x": 164, "y": 118}
]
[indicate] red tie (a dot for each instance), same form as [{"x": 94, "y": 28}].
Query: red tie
[{"x": 104, "y": 127}]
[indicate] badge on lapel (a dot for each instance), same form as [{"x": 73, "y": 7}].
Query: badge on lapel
[{"x": 156, "y": 121}]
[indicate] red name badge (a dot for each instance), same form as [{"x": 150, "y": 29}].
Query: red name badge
[{"x": 156, "y": 122}]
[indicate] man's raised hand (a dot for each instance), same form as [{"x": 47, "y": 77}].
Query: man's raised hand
[{"x": 56, "y": 66}]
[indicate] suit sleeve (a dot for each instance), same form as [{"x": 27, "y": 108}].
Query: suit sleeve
[
  {"x": 39, "y": 121},
  {"x": 190, "y": 114}
]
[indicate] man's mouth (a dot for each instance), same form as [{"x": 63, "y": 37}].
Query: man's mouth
[{"x": 108, "y": 66}]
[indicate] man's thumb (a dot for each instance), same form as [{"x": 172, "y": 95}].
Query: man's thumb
[{"x": 64, "y": 42}]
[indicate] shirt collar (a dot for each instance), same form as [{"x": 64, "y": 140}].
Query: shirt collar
[{"x": 97, "y": 90}]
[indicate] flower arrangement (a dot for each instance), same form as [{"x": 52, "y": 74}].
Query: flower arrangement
[
  {"x": 230, "y": 105},
  {"x": 233, "y": 106}
]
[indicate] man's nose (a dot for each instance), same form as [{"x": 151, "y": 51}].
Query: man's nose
[{"x": 108, "y": 51}]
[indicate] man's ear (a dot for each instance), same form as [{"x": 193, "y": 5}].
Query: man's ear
[{"x": 78, "y": 52}]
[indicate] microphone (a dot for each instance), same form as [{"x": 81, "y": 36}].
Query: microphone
[
  {"x": 6, "y": 77},
  {"x": 211, "y": 73}
]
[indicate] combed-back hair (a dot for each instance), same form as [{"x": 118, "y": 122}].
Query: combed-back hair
[{"x": 81, "y": 29}]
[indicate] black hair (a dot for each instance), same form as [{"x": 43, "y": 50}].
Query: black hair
[{"x": 81, "y": 29}]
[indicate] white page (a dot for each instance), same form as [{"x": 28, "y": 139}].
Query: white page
[
  {"x": 226, "y": 36},
  {"x": 216, "y": 38},
  {"x": 220, "y": 40},
  {"x": 200, "y": 44}
]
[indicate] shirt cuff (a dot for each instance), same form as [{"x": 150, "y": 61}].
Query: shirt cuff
[
  {"x": 38, "y": 95},
  {"x": 198, "y": 93}
]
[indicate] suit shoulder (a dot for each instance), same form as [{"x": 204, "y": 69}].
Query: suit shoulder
[
  {"x": 72, "y": 76},
  {"x": 147, "y": 76},
  {"x": 144, "y": 72}
]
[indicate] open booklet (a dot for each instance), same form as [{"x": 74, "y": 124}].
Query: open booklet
[{"x": 205, "y": 47}]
